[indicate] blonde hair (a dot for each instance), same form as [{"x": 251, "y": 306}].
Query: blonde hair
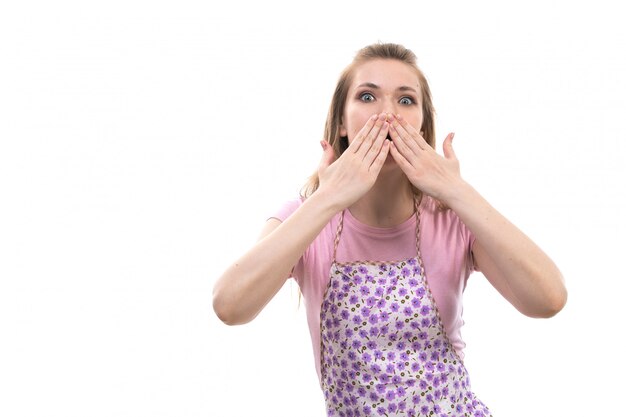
[{"x": 337, "y": 104}]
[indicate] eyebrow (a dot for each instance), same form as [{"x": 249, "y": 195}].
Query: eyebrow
[{"x": 375, "y": 87}]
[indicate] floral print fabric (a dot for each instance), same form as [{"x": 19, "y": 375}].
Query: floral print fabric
[{"x": 384, "y": 349}]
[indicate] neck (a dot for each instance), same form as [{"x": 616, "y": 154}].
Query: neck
[{"x": 389, "y": 203}]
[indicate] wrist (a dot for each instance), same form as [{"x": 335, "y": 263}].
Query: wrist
[
  {"x": 458, "y": 194},
  {"x": 325, "y": 202}
]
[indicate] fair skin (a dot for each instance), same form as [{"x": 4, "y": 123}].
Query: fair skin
[{"x": 373, "y": 179}]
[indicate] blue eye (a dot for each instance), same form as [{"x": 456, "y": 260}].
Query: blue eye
[
  {"x": 406, "y": 100},
  {"x": 367, "y": 97}
]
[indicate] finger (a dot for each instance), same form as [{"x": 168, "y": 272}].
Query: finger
[
  {"x": 370, "y": 137},
  {"x": 448, "y": 151},
  {"x": 363, "y": 133},
  {"x": 405, "y": 127},
  {"x": 378, "y": 143},
  {"x": 328, "y": 156},
  {"x": 407, "y": 147},
  {"x": 402, "y": 162},
  {"x": 379, "y": 161}
]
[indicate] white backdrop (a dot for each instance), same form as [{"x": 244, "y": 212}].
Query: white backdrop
[{"x": 143, "y": 145}]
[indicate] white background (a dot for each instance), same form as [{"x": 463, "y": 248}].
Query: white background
[{"x": 143, "y": 145}]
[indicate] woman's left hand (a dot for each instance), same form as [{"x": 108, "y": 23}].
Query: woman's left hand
[
  {"x": 512, "y": 262},
  {"x": 431, "y": 173}
]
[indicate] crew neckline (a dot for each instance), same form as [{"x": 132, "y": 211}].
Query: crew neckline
[{"x": 356, "y": 224}]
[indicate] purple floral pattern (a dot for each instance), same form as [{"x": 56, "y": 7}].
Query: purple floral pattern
[{"x": 384, "y": 349}]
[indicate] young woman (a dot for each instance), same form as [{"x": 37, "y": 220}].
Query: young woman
[{"x": 381, "y": 245}]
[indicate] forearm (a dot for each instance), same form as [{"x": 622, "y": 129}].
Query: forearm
[
  {"x": 531, "y": 278},
  {"x": 253, "y": 280}
]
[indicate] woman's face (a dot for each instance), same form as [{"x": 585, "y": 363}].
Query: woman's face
[{"x": 382, "y": 86}]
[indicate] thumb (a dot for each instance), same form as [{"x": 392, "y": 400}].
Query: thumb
[
  {"x": 328, "y": 157},
  {"x": 448, "y": 151}
]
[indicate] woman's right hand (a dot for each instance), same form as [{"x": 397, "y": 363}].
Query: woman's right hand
[
  {"x": 251, "y": 282},
  {"x": 349, "y": 177}
]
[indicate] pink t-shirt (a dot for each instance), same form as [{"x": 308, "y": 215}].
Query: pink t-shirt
[{"x": 445, "y": 245}]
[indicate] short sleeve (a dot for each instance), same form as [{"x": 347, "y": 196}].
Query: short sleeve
[
  {"x": 471, "y": 262},
  {"x": 286, "y": 210},
  {"x": 468, "y": 239}
]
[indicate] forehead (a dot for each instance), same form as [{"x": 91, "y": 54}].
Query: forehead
[{"x": 388, "y": 74}]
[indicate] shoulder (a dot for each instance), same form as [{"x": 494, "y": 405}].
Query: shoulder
[
  {"x": 286, "y": 209},
  {"x": 441, "y": 221},
  {"x": 434, "y": 210},
  {"x": 443, "y": 232}
]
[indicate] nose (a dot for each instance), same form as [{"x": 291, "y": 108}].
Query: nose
[{"x": 389, "y": 106}]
